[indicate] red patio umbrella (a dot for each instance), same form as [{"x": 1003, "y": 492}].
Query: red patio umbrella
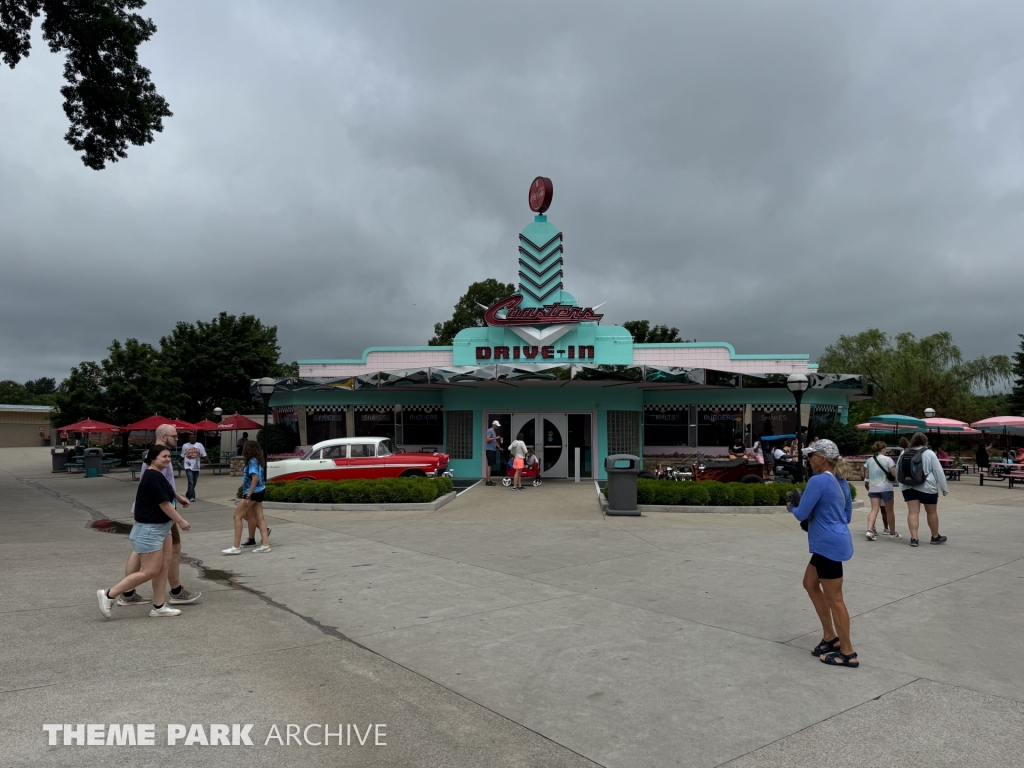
[
  {"x": 150, "y": 424},
  {"x": 89, "y": 426},
  {"x": 238, "y": 421},
  {"x": 207, "y": 426}
]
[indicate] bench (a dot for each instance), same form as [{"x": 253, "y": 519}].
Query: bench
[
  {"x": 953, "y": 473},
  {"x": 219, "y": 466},
  {"x": 1014, "y": 477}
]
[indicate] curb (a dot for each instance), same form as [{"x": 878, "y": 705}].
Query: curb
[
  {"x": 773, "y": 510},
  {"x": 430, "y": 507}
]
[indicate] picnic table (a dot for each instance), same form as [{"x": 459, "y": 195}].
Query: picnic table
[{"x": 1012, "y": 473}]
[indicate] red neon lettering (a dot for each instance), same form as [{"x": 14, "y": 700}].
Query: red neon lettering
[
  {"x": 530, "y": 352},
  {"x": 572, "y": 352},
  {"x": 550, "y": 313},
  {"x": 547, "y": 352},
  {"x": 515, "y": 353},
  {"x": 586, "y": 352},
  {"x": 501, "y": 353},
  {"x": 483, "y": 353}
]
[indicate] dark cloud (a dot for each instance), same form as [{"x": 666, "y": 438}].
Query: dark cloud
[{"x": 771, "y": 175}]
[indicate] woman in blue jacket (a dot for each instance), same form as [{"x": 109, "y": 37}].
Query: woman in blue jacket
[{"x": 827, "y": 505}]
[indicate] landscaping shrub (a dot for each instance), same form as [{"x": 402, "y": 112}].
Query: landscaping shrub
[
  {"x": 764, "y": 495},
  {"x": 718, "y": 494},
  {"x": 645, "y": 491},
  {"x": 741, "y": 494},
  {"x": 401, "y": 490},
  {"x": 694, "y": 494}
]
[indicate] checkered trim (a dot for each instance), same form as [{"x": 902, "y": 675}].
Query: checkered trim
[
  {"x": 668, "y": 407},
  {"x": 325, "y": 408},
  {"x": 774, "y": 407}
]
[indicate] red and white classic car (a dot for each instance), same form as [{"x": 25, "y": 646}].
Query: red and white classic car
[{"x": 358, "y": 458}]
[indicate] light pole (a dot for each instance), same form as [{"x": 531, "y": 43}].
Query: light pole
[
  {"x": 797, "y": 383},
  {"x": 265, "y": 387},
  {"x": 217, "y": 413}
]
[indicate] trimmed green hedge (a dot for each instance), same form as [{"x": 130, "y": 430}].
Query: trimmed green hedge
[
  {"x": 398, "y": 490},
  {"x": 715, "y": 494}
]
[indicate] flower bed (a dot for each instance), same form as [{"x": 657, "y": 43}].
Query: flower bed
[
  {"x": 399, "y": 490},
  {"x": 715, "y": 494}
]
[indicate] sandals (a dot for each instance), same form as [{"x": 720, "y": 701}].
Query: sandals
[
  {"x": 833, "y": 660},
  {"x": 825, "y": 646}
]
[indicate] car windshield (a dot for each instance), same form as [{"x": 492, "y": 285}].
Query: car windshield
[{"x": 386, "y": 448}]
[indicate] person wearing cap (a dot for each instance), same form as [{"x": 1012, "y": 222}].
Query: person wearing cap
[
  {"x": 491, "y": 442},
  {"x": 827, "y": 506}
]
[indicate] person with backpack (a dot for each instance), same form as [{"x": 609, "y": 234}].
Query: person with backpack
[
  {"x": 878, "y": 480},
  {"x": 921, "y": 477},
  {"x": 824, "y": 511}
]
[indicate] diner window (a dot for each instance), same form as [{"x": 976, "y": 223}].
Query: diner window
[
  {"x": 375, "y": 423},
  {"x": 769, "y": 420},
  {"x": 719, "y": 427},
  {"x": 424, "y": 427},
  {"x": 665, "y": 430},
  {"x": 324, "y": 425}
]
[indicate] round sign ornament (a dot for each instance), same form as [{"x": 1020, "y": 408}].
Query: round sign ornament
[{"x": 541, "y": 192}]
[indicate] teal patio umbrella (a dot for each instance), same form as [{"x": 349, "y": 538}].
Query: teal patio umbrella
[{"x": 898, "y": 421}]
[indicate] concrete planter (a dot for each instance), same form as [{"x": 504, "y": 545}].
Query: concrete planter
[{"x": 430, "y": 507}]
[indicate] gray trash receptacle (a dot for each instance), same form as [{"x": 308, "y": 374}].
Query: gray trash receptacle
[
  {"x": 59, "y": 457},
  {"x": 92, "y": 462},
  {"x": 622, "y": 470}
]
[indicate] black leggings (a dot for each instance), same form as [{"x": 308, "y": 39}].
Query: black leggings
[{"x": 827, "y": 569}]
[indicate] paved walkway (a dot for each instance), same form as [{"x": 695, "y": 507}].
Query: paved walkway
[{"x": 525, "y": 629}]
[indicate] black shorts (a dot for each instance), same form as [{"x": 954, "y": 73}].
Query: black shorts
[
  {"x": 492, "y": 458},
  {"x": 925, "y": 498},
  {"x": 258, "y": 495},
  {"x": 827, "y": 569}
]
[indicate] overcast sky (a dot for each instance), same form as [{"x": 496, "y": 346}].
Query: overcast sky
[{"x": 768, "y": 174}]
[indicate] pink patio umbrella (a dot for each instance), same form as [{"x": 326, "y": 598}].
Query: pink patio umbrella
[{"x": 1008, "y": 425}]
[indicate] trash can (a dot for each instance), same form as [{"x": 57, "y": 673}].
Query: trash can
[
  {"x": 92, "y": 462},
  {"x": 622, "y": 472},
  {"x": 59, "y": 457}
]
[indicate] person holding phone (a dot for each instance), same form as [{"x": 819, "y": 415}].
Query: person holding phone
[
  {"x": 150, "y": 536},
  {"x": 827, "y": 507}
]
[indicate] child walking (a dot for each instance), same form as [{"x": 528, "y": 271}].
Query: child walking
[{"x": 253, "y": 488}]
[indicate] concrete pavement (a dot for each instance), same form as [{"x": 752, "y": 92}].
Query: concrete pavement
[{"x": 547, "y": 633}]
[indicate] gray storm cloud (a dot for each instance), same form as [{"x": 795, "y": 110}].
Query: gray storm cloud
[{"x": 767, "y": 174}]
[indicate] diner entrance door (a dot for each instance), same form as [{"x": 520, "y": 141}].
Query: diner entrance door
[{"x": 547, "y": 434}]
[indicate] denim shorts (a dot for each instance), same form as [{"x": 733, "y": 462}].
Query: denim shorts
[
  {"x": 149, "y": 537},
  {"x": 883, "y": 495}
]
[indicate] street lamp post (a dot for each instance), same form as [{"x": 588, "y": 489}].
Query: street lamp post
[
  {"x": 797, "y": 383},
  {"x": 265, "y": 387},
  {"x": 217, "y": 413}
]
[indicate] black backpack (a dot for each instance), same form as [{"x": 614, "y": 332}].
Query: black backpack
[{"x": 911, "y": 470}]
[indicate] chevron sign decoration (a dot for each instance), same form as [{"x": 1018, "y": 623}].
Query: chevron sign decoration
[{"x": 540, "y": 267}]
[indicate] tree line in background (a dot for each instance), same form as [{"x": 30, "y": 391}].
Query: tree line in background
[{"x": 196, "y": 368}]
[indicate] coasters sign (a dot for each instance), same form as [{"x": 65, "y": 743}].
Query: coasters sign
[{"x": 541, "y": 192}]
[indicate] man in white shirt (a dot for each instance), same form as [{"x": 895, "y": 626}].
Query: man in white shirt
[{"x": 192, "y": 453}]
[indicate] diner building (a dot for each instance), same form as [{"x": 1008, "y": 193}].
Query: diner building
[{"x": 546, "y": 366}]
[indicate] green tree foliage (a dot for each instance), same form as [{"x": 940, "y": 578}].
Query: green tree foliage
[
  {"x": 80, "y": 396},
  {"x": 38, "y": 392},
  {"x": 847, "y": 437},
  {"x": 281, "y": 438},
  {"x": 468, "y": 310},
  {"x": 109, "y": 99},
  {"x": 1016, "y": 400},
  {"x": 643, "y": 333},
  {"x": 197, "y": 368},
  {"x": 215, "y": 362},
  {"x": 907, "y": 374}
]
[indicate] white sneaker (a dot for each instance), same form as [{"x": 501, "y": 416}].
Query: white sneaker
[
  {"x": 264, "y": 548},
  {"x": 871, "y": 535},
  {"x": 896, "y": 535},
  {"x": 164, "y": 610},
  {"x": 232, "y": 551},
  {"x": 885, "y": 532},
  {"x": 106, "y": 603}
]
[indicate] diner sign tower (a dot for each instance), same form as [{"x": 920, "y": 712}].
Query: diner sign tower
[{"x": 542, "y": 323}]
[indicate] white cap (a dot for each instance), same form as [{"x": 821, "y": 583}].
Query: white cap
[{"x": 495, "y": 423}]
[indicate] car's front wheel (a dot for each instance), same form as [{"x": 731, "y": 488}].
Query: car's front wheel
[{"x": 413, "y": 473}]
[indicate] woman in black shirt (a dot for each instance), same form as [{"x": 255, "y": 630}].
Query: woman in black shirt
[{"x": 150, "y": 536}]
